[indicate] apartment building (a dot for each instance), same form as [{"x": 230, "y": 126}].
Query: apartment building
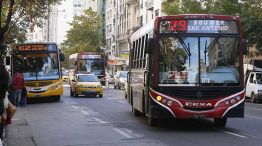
[{"x": 123, "y": 17}]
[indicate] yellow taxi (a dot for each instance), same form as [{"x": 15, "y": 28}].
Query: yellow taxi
[
  {"x": 86, "y": 84},
  {"x": 65, "y": 76}
]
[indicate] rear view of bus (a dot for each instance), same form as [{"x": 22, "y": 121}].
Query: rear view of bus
[
  {"x": 40, "y": 65},
  {"x": 194, "y": 69}
]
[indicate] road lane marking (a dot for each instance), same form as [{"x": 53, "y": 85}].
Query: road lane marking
[
  {"x": 100, "y": 121},
  {"x": 231, "y": 133},
  {"x": 109, "y": 98},
  {"x": 66, "y": 102},
  {"x": 75, "y": 107},
  {"x": 85, "y": 113},
  {"x": 123, "y": 133},
  {"x": 122, "y": 101}
]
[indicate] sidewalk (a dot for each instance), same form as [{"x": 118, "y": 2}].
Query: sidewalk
[{"x": 19, "y": 133}]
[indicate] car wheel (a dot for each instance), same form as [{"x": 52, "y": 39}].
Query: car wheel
[
  {"x": 253, "y": 98},
  {"x": 114, "y": 85},
  {"x": 220, "y": 122},
  {"x": 100, "y": 96},
  {"x": 57, "y": 98},
  {"x": 119, "y": 87},
  {"x": 71, "y": 92}
]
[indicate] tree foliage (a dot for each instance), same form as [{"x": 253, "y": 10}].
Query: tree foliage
[
  {"x": 84, "y": 35},
  {"x": 250, "y": 12},
  {"x": 17, "y": 16}
]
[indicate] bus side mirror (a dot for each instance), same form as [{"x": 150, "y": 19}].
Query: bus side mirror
[
  {"x": 244, "y": 46},
  {"x": 7, "y": 60},
  {"x": 62, "y": 56},
  {"x": 150, "y": 45}
]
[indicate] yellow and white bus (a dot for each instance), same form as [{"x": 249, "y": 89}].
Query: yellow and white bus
[{"x": 40, "y": 65}]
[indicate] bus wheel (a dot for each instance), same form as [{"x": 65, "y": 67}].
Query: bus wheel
[
  {"x": 136, "y": 112},
  {"x": 153, "y": 122},
  {"x": 253, "y": 98},
  {"x": 220, "y": 122}
]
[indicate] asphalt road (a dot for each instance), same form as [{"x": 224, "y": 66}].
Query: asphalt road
[{"x": 109, "y": 121}]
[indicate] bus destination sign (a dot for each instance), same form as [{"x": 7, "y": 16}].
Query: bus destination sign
[
  {"x": 89, "y": 56},
  {"x": 199, "y": 26},
  {"x": 33, "y": 48}
]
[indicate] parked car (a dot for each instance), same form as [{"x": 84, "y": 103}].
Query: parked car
[
  {"x": 86, "y": 84},
  {"x": 119, "y": 79}
]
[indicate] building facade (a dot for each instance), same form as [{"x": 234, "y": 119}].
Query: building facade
[{"x": 123, "y": 17}]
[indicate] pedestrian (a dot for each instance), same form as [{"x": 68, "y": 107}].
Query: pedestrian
[
  {"x": 4, "y": 79},
  {"x": 18, "y": 84},
  {"x": 23, "y": 101}
]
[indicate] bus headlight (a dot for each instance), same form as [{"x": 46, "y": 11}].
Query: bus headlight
[
  {"x": 54, "y": 86},
  {"x": 230, "y": 101}
]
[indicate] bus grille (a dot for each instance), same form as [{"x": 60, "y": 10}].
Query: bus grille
[{"x": 199, "y": 94}]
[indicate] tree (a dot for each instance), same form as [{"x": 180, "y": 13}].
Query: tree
[
  {"x": 250, "y": 12},
  {"x": 17, "y": 16},
  {"x": 84, "y": 35}
]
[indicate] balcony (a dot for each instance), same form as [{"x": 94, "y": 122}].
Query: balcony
[{"x": 149, "y": 4}]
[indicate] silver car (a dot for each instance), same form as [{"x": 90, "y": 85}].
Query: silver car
[{"x": 119, "y": 79}]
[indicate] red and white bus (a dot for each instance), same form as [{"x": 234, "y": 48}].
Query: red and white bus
[{"x": 187, "y": 66}]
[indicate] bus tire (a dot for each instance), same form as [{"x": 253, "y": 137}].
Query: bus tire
[
  {"x": 253, "y": 98},
  {"x": 153, "y": 122},
  {"x": 136, "y": 112},
  {"x": 220, "y": 122}
]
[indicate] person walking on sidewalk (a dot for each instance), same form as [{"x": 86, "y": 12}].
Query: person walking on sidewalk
[
  {"x": 4, "y": 79},
  {"x": 18, "y": 84}
]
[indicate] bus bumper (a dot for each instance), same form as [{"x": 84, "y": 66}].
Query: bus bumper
[{"x": 48, "y": 93}]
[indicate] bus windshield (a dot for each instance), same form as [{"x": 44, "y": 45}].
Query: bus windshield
[
  {"x": 195, "y": 60},
  {"x": 94, "y": 66},
  {"x": 38, "y": 66}
]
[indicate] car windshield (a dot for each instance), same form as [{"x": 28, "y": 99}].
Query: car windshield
[
  {"x": 123, "y": 74},
  {"x": 87, "y": 78},
  {"x": 198, "y": 61},
  {"x": 65, "y": 73}
]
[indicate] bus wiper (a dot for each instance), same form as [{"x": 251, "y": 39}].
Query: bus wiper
[
  {"x": 211, "y": 45},
  {"x": 185, "y": 47}
]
